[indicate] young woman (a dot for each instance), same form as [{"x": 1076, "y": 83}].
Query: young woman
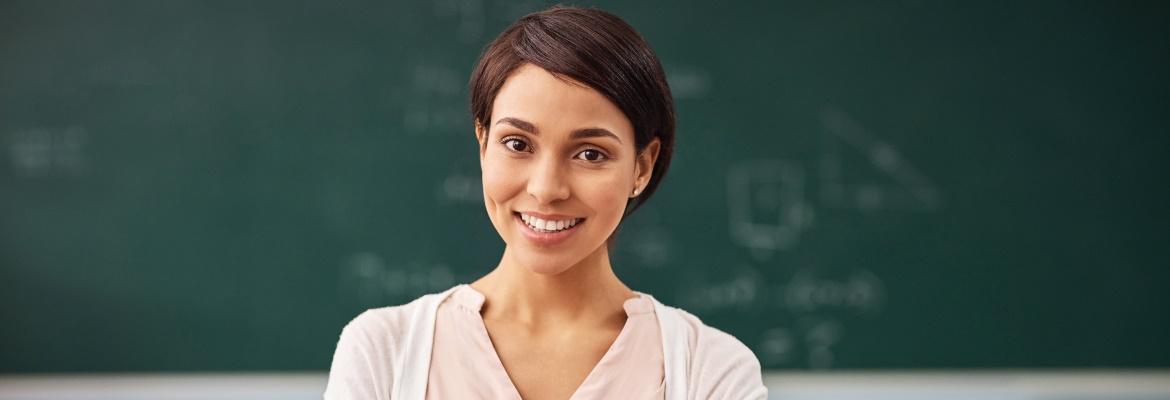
[{"x": 575, "y": 127}]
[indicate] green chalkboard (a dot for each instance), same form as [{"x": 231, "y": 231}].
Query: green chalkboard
[{"x": 218, "y": 185}]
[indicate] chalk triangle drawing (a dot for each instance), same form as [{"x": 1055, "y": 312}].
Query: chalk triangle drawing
[{"x": 861, "y": 171}]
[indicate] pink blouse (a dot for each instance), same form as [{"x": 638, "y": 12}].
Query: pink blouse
[{"x": 464, "y": 364}]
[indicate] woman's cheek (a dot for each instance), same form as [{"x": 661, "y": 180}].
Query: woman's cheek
[
  {"x": 605, "y": 196},
  {"x": 498, "y": 177},
  {"x": 496, "y": 198}
]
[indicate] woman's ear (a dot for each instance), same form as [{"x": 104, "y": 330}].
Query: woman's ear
[
  {"x": 644, "y": 166},
  {"x": 481, "y": 137}
]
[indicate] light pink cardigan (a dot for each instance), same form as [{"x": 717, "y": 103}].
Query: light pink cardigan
[{"x": 385, "y": 353}]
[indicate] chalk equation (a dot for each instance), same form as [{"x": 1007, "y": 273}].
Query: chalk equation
[
  {"x": 742, "y": 289},
  {"x": 811, "y": 341},
  {"x": 46, "y": 152},
  {"x": 369, "y": 281},
  {"x": 857, "y": 292}
]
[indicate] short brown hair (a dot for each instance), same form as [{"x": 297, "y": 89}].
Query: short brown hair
[{"x": 593, "y": 48}]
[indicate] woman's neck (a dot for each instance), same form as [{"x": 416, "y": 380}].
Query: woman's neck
[{"x": 586, "y": 293}]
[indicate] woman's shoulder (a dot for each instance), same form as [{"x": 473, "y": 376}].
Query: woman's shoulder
[
  {"x": 697, "y": 334},
  {"x": 395, "y": 321},
  {"x": 379, "y": 347},
  {"x": 721, "y": 366},
  {"x": 708, "y": 339}
]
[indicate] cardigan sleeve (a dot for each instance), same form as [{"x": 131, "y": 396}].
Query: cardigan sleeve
[
  {"x": 724, "y": 368},
  {"x": 361, "y": 369}
]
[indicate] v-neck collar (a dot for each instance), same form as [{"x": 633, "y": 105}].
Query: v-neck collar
[{"x": 471, "y": 299}]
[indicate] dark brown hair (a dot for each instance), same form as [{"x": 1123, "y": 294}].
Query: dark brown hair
[{"x": 593, "y": 48}]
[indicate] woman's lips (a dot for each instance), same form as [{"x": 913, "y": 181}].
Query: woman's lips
[{"x": 545, "y": 238}]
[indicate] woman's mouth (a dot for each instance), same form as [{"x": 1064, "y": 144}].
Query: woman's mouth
[{"x": 545, "y": 232}]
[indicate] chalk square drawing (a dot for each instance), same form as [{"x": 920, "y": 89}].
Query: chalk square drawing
[{"x": 766, "y": 207}]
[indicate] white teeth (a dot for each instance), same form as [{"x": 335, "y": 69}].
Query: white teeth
[{"x": 546, "y": 225}]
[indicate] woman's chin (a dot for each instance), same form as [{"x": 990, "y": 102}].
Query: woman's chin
[
  {"x": 544, "y": 260},
  {"x": 547, "y": 267}
]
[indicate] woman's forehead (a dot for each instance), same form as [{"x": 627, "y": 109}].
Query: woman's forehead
[{"x": 552, "y": 104}]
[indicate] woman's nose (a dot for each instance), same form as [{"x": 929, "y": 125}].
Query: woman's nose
[{"x": 547, "y": 182}]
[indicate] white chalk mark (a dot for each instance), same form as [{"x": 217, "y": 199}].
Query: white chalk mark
[
  {"x": 820, "y": 334},
  {"x": 859, "y": 292},
  {"x": 688, "y": 82},
  {"x": 740, "y": 291},
  {"x": 362, "y": 278},
  {"x": 882, "y": 157},
  {"x": 650, "y": 246},
  {"x": 366, "y": 278},
  {"x": 45, "y": 152},
  {"x": 766, "y": 207},
  {"x": 777, "y": 346},
  {"x": 460, "y": 188},
  {"x": 430, "y": 108}
]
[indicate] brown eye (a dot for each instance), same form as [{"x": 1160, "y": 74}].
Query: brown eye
[
  {"x": 516, "y": 144},
  {"x": 591, "y": 155}
]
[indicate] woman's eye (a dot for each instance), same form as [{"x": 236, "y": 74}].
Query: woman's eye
[
  {"x": 591, "y": 155},
  {"x": 516, "y": 144}
]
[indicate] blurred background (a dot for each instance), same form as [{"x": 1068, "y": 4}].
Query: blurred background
[{"x": 904, "y": 198}]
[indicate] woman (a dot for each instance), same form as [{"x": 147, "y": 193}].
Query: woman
[{"x": 575, "y": 127}]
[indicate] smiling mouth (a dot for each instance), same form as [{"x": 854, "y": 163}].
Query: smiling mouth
[{"x": 544, "y": 226}]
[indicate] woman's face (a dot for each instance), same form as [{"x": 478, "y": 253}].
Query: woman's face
[{"x": 559, "y": 166}]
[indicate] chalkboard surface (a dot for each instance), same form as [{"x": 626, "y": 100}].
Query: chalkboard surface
[{"x": 216, "y": 185}]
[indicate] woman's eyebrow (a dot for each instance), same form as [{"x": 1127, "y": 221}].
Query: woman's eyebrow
[
  {"x": 592, "y": 133},
  {"x": 577, "y": 134},
  {"x": 519, "y": 124}
]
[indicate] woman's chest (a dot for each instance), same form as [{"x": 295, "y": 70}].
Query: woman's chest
[
  {"x": 553, "y": 366},
  {"x": 469, "y": 362}
]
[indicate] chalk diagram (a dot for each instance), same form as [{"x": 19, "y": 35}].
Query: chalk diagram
[
  {"x": 766, "y": 206},
  {"x": 910, "y": 188},
  {"x": 769, "y": 212}
]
